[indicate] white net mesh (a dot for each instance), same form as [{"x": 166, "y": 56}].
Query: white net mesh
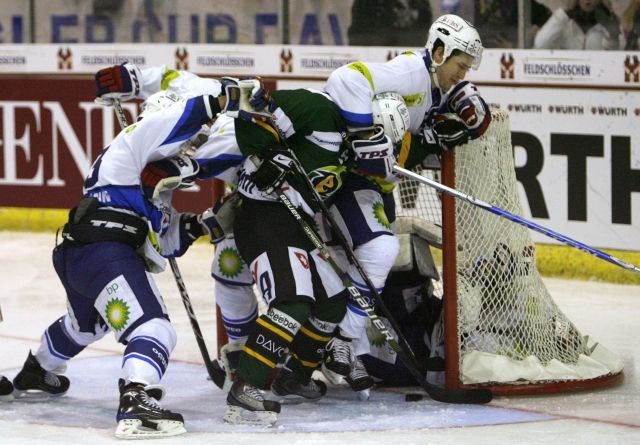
[{"x": 509, "y": 327}]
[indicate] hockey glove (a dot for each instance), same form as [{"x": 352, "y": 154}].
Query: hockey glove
[
  {"x": 465, "y": 101},
  {"x": 446, "y": 134},
  {"x": 243, "y": 99},
  {"x": 272, "y": 172},
  {"x": 374, "y": 156},
  {"x": 120, "y": 82},
  {"x": 217, "y": 221},
  {"x": 168, "y": 174},
  {"x": 210, "y": 225}
]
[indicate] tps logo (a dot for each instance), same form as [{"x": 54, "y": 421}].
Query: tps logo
[{"x": 507, "y": 66}]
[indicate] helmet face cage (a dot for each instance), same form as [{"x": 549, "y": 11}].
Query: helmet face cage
[
  {"x": 455, "y": 33},
  {"x": 390, "y": 112}
]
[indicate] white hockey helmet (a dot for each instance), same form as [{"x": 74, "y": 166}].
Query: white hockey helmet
[
  {"x": 456, "y": 33},
  {"x": 158, "y": 102},
  {"x": 390, "y": 111}
]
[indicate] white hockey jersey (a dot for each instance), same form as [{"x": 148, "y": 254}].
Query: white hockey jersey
[
  {"x": 353, "y": 86},
  {"x": 114, "y": 178},
  {"x": 219, "y": 157}
]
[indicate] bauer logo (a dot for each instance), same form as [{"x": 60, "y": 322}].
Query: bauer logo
[
  {"x": 65, "y": 59},
  {"x": 182, "y": 59},
  {"x": 632, "y": 69},
  {"x": 507, "y": 66},
  {"x": 286, "y": 61}
]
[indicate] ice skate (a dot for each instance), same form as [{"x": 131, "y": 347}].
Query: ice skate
[
  {"x": 290, "y": 387},
  {"x": 6, "y": 389},
  {"x": 359, "y": 380},
  {"x": 338, "y": 359},
  {"x": 140, "y": 415},
  {"x": 246, "y": 405},
  {"x": 34, "y": 382}
]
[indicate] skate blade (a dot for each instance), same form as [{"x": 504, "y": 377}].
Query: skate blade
[
  {"x": 239, "y": 416},
  {"x": 290, "y": 399},
  {"x": 364, "y": 395},
  {"x": 34, "y": 395},
  {"x": 132, "y": 429},
  {"x": 6, "y": 397},
  {"x": 333, "y": 377}
]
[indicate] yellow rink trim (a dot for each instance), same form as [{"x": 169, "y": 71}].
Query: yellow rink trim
[
  {"x": 32, "y": 220},
  {"x": 552, "y": 260}
]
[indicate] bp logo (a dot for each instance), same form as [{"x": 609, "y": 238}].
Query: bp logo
[
  {"x": 117, "y": 313},
  {"x": 380, "y": 215},
  {"x": 230, "y": 263}
]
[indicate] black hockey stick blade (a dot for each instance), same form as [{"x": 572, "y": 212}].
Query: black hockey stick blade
[{"x": 217, "y": 374}]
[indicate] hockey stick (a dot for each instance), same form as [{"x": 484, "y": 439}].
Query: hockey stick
[
  {"x": 214, "y": 374},
  {"x": 404, "y": 352},
  {"x": 517, "y": 219},
  {"x": 437, "y": 393}
]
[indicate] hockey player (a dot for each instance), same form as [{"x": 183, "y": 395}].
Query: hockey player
[
  {"x": 409, "y": 296},
  {"x": 220, "y": 157},
  {"x": 299, "y": 117},
  {"x": 122, "y": 229},
  {"x": 432, "y": 85}
]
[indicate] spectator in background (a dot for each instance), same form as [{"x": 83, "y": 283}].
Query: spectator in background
[
  {"x": 631, "y": 26},
  {"x": 585, "y": 24},
  {"x": 539, "y": 16},
  {"x": 497, "y": 22},
  {"x": 389, "y": 22}
]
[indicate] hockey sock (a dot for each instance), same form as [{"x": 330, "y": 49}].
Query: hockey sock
[
  {"x": 308, "y": 345},
  {"x": 269, "y": 342},
  {"x": 57, "y": 345}
]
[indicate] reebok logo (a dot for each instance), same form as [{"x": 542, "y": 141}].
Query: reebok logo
[{"x": 283, "y": 321}]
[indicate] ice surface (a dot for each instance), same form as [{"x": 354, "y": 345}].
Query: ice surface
[{"x": 31, "y": 298}]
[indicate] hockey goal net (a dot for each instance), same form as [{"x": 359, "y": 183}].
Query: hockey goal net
[{"x": 502, "y": 328}]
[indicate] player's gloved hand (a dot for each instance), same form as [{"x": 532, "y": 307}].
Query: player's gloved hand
[
  {"x": 246, "y": 99},
  {"x": 168, "y": 174},
  {"x": 465, "y": 101},
  {"x": 446, "y": 134},
  {"x": 273, "y": 171},
  {"x": 120, "y": 82},
  {"x": 208, "y": 220},
  {"x": 217, "y": 221},
  {"x": 374, "y": 156}
]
